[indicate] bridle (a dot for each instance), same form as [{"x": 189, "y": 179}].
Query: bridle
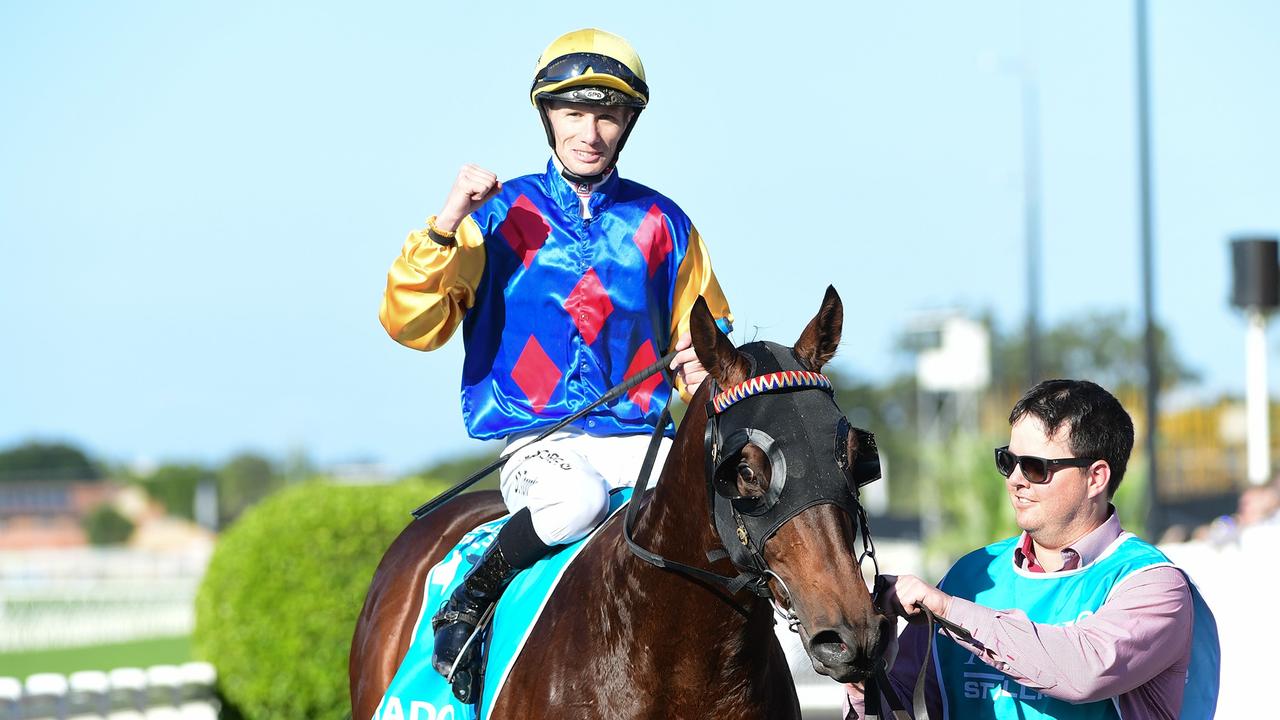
[{"x": 788, "y": 412}]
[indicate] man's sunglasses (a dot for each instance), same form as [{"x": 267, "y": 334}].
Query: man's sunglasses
[{"x": 1036, "y": 470}]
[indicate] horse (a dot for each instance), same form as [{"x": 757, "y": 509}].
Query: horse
[{"x": 621, "y": 638}]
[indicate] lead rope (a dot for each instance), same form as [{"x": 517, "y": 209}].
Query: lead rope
[{"x": 878, "y": 686}]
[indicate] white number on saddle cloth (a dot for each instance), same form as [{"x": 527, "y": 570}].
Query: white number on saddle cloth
[{"x": 392, "y": 709}]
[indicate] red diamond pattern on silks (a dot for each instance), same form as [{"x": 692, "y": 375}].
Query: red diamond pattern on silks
[
  {"x": 524, "y": 229},
  {"x": 642, "y": 393},
  {"x": 536, "y": 374},
  {"x": 653, "y": 239},
  {"x": 589, "y": 306}
]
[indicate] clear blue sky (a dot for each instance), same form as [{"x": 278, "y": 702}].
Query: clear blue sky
[{"x": 199, "y": 201}]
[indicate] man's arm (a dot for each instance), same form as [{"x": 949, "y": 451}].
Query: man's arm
[
  {"x": 1142, "y": 629},
  {"x": 431, "y": 285},
  {"x": 693, "y": 278}
]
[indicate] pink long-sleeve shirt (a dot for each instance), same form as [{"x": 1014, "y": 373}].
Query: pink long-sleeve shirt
[{"x": 1135, "y": 648}]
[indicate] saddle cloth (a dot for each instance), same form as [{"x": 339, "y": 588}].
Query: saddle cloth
[{"x": 418, "y": 692}]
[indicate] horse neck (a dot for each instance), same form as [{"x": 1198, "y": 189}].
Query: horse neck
[{"x": 675, "y": 524}]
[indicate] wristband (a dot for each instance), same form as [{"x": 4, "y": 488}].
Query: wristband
[{"x": 440, "y": 237}]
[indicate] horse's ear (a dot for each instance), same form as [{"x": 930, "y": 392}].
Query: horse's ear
[
  {"x": 818, "y": 342},
  {"x": 715, "y": 350}
]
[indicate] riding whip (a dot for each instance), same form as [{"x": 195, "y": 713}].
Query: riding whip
[{"x": 614, "y": 393}]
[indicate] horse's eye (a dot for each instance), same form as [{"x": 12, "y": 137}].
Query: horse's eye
[{"x": 748, "y": 486}]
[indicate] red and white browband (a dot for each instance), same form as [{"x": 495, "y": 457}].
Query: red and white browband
[{"x": 768, "y": 383}]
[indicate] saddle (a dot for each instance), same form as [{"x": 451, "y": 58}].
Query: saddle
[{"x": 417, "y": 691}]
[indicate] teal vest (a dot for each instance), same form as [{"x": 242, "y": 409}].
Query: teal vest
[{"x": 988, "y": 577}]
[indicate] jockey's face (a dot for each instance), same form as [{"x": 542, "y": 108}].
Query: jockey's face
[
  {"x": 1066, "y": 507},
  {"x": 587, "y": 135}
]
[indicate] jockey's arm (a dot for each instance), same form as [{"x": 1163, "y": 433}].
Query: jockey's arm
[
  {"x": 695, "y": 278},
  {"x": 431, "y": 286}
]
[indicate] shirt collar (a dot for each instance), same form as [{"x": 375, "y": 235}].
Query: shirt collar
[
  {"x": 566, "y": 193},
  {"x": 1079, "y": 553}
]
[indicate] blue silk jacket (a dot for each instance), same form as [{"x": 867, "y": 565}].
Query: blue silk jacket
[{"x": 556, "y": 309}]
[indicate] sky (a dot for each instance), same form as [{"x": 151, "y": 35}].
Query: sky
[{"x": 199, "y": 201}]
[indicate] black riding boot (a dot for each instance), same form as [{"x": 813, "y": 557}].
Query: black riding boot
[
  {"x": 458, "y": 616},
  {"x": 516, "y": 548}
]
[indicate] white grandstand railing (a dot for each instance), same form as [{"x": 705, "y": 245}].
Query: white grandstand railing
[
  {"x": 112, "y": 562},
  {"x": 87, "y": 596},
  {"x": 96, "y": 627},
  {"x": 160, "y": 692}
]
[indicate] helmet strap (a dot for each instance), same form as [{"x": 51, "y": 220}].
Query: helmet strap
[{"x": 576, "y": 179}]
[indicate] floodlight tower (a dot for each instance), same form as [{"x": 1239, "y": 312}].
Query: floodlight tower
[{"x": 1256, "y": 292}]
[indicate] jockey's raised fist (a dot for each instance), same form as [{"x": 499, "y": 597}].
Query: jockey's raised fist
[{"x": 472, "y": 188}]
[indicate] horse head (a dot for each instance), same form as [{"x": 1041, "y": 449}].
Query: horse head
[{"x": 784, "y": 468}]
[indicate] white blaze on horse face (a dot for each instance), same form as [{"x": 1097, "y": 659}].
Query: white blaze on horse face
[
  {"x": 586, "y": 136},
  {"x": 1053, "y": 513}
]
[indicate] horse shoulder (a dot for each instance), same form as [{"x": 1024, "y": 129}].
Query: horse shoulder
[{"x": 578, "y": 655}]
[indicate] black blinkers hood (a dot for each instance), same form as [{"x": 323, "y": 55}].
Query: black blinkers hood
[{"x": 802, "y": 431}]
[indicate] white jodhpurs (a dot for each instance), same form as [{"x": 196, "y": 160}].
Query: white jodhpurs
[{"x": 565, "y": 479}]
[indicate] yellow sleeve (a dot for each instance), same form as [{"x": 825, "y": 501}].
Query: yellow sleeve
[
  {"x": 695, "y": 277},
  {"x": 431, "y": 286}
]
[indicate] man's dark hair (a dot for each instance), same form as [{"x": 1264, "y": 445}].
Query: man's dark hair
[{"x": 1097, "y": 425}]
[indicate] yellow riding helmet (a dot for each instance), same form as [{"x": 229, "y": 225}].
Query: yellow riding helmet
[{"x": 590, "y": 66}]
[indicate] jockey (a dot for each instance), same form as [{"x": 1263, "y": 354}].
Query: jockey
[{"x": 566, "y": 283}]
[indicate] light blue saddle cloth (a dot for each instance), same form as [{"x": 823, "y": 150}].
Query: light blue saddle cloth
[{"x": 418, "y": 692}]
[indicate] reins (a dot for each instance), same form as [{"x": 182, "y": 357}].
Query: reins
[
  {"x": 757, "y": 584},
  {"x": 614, "y": 393}
]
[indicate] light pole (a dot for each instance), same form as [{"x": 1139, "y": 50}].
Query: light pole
[
  {"x": 1255, "y": 291},
  {"x": 1024, "y": 67},
  {"x": 1031, "y": 198},
  {"x": 1147, "y": 244}
]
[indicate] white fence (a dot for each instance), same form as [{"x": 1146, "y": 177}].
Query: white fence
[
  {"x": 161, "y": 692},
  {"x": 65, "y": 598}
]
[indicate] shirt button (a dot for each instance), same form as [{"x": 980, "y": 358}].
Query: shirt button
[{"x": 591, "y": 423}]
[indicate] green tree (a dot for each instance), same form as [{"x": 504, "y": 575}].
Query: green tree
[
  {"x": 38, "y": 461},
  {"x": 174, "y": 486},
  {"x": 277, "y": 607},
  {"x": 106, "y": 526},
  {"x": 1102, "y": 346},
  {"x": 970, "y": 496},
  {"x": 242, "y": 481},
  {"x": 460, "y": 467}
]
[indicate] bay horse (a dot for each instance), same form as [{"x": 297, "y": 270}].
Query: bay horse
[{"x": 621, "y": 638}]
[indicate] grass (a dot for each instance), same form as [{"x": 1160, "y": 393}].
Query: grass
[{"x": 141, "y": 653}]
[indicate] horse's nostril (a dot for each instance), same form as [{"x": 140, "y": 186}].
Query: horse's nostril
[{"x": 829, "y": 649}]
